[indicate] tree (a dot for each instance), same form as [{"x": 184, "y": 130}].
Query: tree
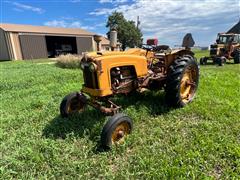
[{"x": 128, "y": 34}]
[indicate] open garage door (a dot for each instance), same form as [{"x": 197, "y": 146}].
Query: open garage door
[
  {"x": 57, "y": 45},
  {"x": 33, "y": 46}
]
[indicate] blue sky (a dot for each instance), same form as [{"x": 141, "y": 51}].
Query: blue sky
[{"x": 167, "y": 20}]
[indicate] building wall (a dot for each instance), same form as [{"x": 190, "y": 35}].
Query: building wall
[
  {"x": 106, "y": 47},
  {"x": 16, "y": 46},
  {"x": 33, "y": 46},
  {"x": 84, "y": 44},
  {"x": 4, "y": 54},
  {"x": 9, "y": 45}
]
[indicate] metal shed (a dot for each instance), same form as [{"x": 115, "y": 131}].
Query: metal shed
[
  {"x": 235, "y": 29},
  {"x": 33, "y": 42}
]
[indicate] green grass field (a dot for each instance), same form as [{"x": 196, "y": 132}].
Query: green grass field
[{"x": 201, "y": 140}]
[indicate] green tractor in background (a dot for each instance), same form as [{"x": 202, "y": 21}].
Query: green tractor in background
[{"x": 227, "y": 47}]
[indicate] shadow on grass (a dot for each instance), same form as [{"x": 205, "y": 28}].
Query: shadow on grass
[
  {"x": 211, "y": 62},
  {"x": 154, "y": 101},
  {"x": 90, "y": 122},
  {"x": 78, "y": 125}
]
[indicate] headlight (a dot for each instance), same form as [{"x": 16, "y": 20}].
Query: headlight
[
  {"x": 92, "y": 67},
  {"x": 82, "y": 65}
]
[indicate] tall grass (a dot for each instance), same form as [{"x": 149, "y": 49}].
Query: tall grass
[{"x": 69, "y": 61}]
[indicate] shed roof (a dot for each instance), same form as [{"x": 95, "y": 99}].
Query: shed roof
[
  {"x": 105, "y": 41},
  {"x": 235, "y": 29},
  {"x": 43, "y": 29}
]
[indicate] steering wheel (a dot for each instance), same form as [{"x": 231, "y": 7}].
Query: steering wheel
[{"x": 147, "y": 47}]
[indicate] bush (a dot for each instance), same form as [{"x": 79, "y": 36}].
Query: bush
[{"x": 69, "y": 61}]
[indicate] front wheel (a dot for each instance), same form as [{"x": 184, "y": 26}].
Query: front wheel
[
  {"x": 115, "y": 130},
  {"x": 203, "y": 60},
  {"x": 182, "y": 81},
  {"x": 72, "y": 103}
]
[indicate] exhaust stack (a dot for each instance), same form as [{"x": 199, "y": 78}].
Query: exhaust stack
[
  {"x": 113, "y": 38},
  {"x": 97, "y": 39}
]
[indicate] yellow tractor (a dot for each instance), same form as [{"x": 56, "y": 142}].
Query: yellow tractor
[
  {"x": 107, "y": 74},
  {"x": 227, "y": 47}
]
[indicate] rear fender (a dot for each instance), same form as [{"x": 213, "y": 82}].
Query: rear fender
[
  {"x": 181, "y": 52},
  {"x": 170, "y": 58}
]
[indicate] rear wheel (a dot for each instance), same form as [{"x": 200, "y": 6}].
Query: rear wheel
[
  {"x": 72, "y": 103},
  {"x": 237, "y": 56},
  {"x": 182, "y": 81},
  {"x": 115, "y": 130}
]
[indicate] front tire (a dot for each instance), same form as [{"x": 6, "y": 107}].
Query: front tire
[
  {"x": 115, "y": 130},
  {"x": 203, "y": 60},
  {"x": 182, "y": 81},
  {"x": 72, "y": 103}
]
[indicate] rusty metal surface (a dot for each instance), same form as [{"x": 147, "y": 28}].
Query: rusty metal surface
[
  {"x": 115, "y": 73},
  {"x": 113, "y": 109}
]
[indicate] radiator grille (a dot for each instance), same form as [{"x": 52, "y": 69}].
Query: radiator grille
[
  {"x": 213, "y": 51},
  {"x": 90, "y": 78}
]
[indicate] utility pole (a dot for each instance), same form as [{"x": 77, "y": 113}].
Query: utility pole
[{"x": 138, "y": 22}]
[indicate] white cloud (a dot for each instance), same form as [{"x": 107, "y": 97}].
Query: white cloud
[
  {"x": 103, "y": 11},
  {"x": 88, "y": 27},
  {"x": 164, "y": 19},
  {"x": 24, "y": 7},
  {"x": 113, "y": 1},
  {"x": 18, "y": 10},
  {"x": 68, "y": 18},
  {"x": 105, "y": 1},
  {"x": 56, "y": 23},
  {"x": 75, "y": 1},
  {"x": 68, "y": 24}
]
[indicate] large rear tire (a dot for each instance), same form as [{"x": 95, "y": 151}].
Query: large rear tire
[
  {"x": 237, "y": 57},
  {"x": 182, "y": 81},
  {"x": 72, "y": 103}
]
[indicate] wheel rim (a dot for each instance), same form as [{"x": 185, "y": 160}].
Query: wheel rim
[
  {"x": 75, "y": 105},
  {"x": 188, "y": 84},
  {"x": 120, "y": 132}
]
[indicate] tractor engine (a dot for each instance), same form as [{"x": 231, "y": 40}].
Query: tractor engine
[
  {"x": 213, "y": 49},
  {"x": 123, "y": 79}
]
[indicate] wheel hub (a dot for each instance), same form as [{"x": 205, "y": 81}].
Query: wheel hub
[
  {"x": 75, "y": 105},
  {"x": 188, "y": 85},
  {"x": 120, "y": 132}
]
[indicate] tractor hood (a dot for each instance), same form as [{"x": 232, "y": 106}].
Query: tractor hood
[
  {"x": 217, "y": 45},
  {"x": 132, "y": 51},
  {"x": 102, "y": 60}
]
